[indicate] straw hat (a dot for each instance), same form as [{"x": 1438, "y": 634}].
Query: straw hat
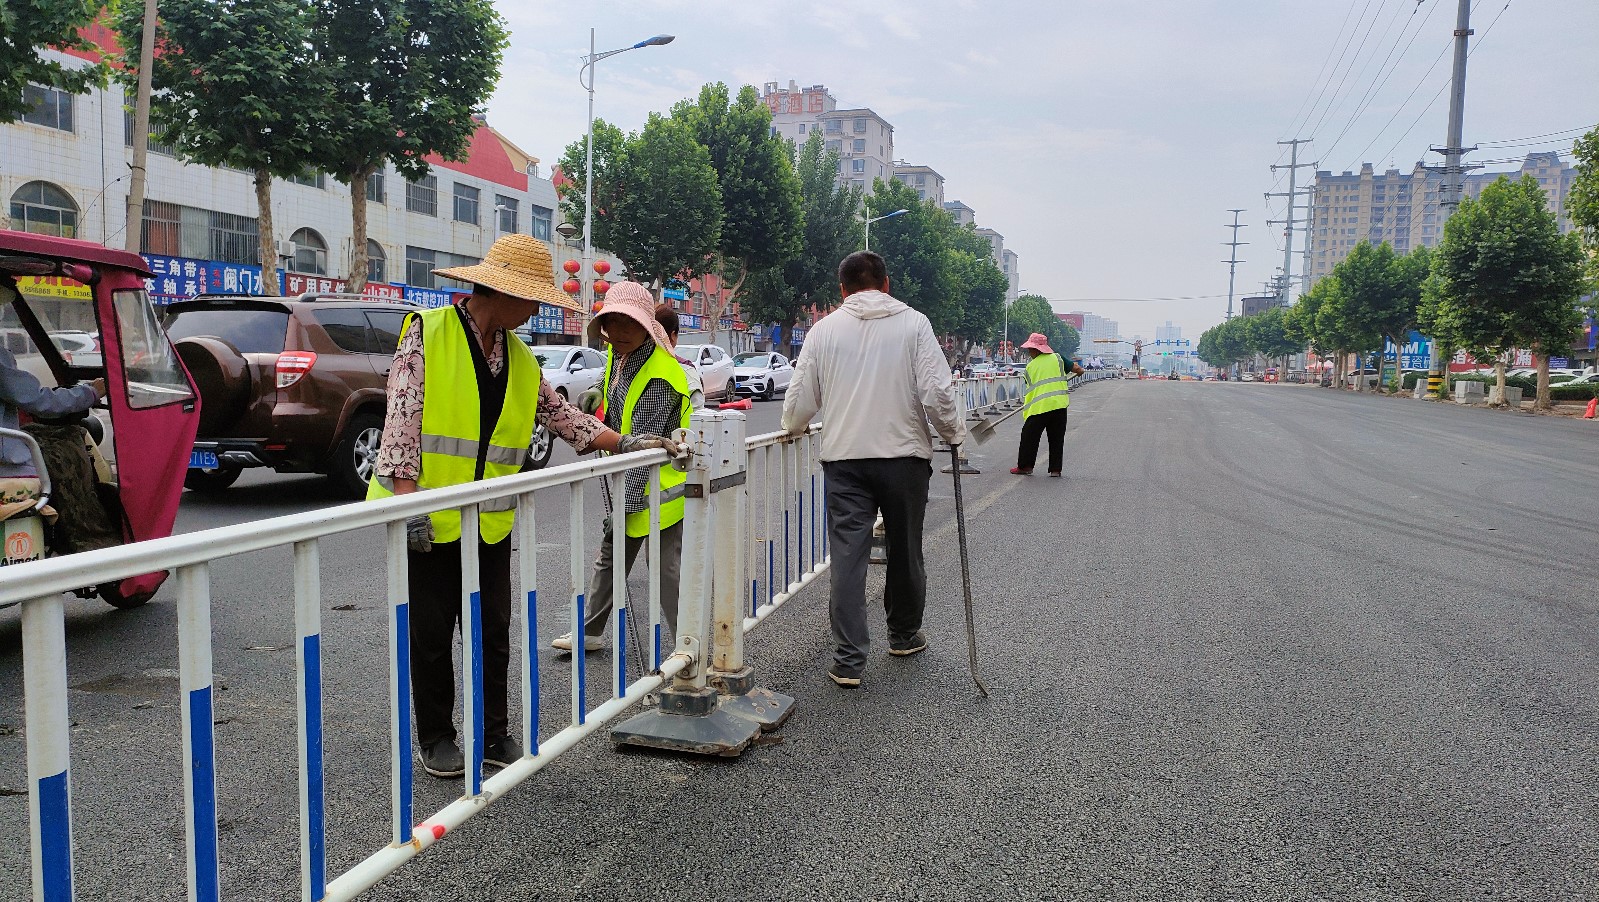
[
  {"x": 518, "y": 265},
  {"x": 1039, "y": 342},
  {"x": 634, "y": 301}
]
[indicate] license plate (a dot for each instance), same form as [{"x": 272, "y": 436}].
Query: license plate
[
  {"x": 24, "y": 540},
  {"x": 202, "y": 460}
]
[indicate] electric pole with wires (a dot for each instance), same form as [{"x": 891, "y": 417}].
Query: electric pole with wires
[
  {"x": 1232, "y": 260},
  {"x": 1293, "y": 167},
  {"x": 1454, "y": 173}
]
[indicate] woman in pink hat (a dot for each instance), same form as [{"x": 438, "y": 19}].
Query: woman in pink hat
[
  {"x": 1045, "y": 404},
  {"x": 645, "y": 392}
]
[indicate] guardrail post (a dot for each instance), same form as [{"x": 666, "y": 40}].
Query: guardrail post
[
  {"x": 308, "y": 654},
  {"x": 44, "y": 681},
  {"x": 966, "y": 468},
  {"x": 199, "y": 731},
  {"x": 729, "y": 672},
  {"x": 688, "y": 718}
]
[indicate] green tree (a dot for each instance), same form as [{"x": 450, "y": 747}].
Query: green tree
[
  {"x": 913, "y": 246},
  {"x": 29, "y": 26},
  {"x": 1267, "y": 334},
  {"x": 1366, "y": 293},
  {"x": 1032, "y": 313},
  {"x": 1583, "y": 202},
  {"x": 762, "y": 219},
  {"x": 1508, "y": 278},
  {"x": 656, "y": 202},
  {"x": 1408, "y": 276},
  {"x": 980, "y": 288},
  {"x": 405, "y": 78},
  {"x": 221, "y": 79},
  {"x": 809, "y": 279}
]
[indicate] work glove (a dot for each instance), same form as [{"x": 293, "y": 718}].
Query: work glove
[
  {"x": 589, "y": 402},
  {"x": 419, "y": 533},
  {"x": 631, "y": 443}
]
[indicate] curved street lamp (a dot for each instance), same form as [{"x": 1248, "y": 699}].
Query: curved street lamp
[
  {"x": 588, "y": 164},
  {"x": 875, "y": 219}
]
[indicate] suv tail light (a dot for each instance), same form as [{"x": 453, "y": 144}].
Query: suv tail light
[{"x": 293, "y": 365}]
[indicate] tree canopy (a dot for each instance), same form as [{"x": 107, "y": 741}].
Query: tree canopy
[{"x": 30, "y": 26}]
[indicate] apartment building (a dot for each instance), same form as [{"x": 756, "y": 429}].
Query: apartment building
[
  {"x": 925, "y": 180},
  {"x": 1403, "y": 208},
  {"x": 1008, "y": 265},
  {"x": 962, "y": 214},
  {"x": 795, "y": 109},
  {"x": 863, "y": 140}
]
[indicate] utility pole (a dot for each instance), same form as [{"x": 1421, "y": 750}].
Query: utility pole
[
  {"x": 1454, "y": 173},
  {"x": 1293, "y": 168},
  {"x": 134, "y": 229},
  {"x": 1232, "y": 260}
]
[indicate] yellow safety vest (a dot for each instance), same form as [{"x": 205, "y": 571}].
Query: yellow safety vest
[
  {"x": 1046, "y": 385},
  {"x": 452, "y": 423},
  {"x": 660, "y": 365}
]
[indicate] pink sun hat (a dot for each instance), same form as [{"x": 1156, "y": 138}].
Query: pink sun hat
[
  {"x": 1038, "y": 342},
  {"x": 634, "y": 301}
]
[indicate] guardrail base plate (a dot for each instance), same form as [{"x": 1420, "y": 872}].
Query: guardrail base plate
[{"x": 714, "y": 732}]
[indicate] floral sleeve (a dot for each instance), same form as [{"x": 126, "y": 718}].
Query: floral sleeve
[
  {"x": 575, "y": 427},
  {"x": 400, "y": 454}
]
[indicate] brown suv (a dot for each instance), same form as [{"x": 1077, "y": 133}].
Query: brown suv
[{"x": 295, "y": 384}]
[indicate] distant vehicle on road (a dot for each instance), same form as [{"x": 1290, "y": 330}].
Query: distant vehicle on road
[
  {"x": 1247, "y": 377},
  {"x": 1369, "y": 375},
  {"x": 761, "y": 374},
  {"x": 715, "y": 368}
]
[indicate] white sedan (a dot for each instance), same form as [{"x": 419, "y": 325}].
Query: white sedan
[
  {"x": 761, "y": 374},
  {"x": 571, "y": 369},
  {"x": 715, "y": 367}
]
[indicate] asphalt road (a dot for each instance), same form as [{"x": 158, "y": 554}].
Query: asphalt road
[{"x": 1262, "y": 642}]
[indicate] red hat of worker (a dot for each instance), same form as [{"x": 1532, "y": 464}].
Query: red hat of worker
[{"x": 1039, "y": 342}]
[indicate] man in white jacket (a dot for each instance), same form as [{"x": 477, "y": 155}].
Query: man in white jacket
[{"x": 874, "y": 370}]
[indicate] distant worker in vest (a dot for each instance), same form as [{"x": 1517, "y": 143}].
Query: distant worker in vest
[
  {"x": 464, "y": 396},
  {"x": 645, "y": 392},
  {"x": 1045, "y": 404},
  {"x": 876, "y": 373}
]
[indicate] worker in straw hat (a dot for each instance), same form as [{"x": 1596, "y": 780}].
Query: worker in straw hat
[
  {"x": 1045, "y": 404},
  {"x": 645, "y": 392},
  {"x": 464, "y": 397}
]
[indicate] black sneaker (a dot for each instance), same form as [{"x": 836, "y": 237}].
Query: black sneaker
[
  {"x": 502, "y": 753},
  {"x": 845, "y": 677},
  {"x": 903, "y": 647},
  {"x": 443, "y": 759}
]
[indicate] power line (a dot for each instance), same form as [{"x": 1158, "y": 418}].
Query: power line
[
  {"x": 1356, "y": 58},
  {"x": 1381, "y": 80},
  {"x": 1295, "y": 123},
  {"x": 1341, "y": 54},
  {"x": 1513, "y": 142}
]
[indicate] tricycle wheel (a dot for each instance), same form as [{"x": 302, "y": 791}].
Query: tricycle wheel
[
  {"x": 112, "y": 594},
  {"x": 209, "y": 482}
]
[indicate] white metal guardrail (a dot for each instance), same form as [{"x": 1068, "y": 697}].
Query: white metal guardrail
[{"x": 777, "y": 505}]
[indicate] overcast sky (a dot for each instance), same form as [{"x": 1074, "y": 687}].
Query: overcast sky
[{"x": 1105, "y": 139}]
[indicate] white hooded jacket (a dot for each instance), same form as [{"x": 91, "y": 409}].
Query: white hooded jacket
[{"x": 874, "y": 370}]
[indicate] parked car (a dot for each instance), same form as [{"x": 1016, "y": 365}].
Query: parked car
[
  {"x": 715, "y": 368},
  {"x": 295, "y": 384},
  {"x": 1247, "y": 377},
  {"x": 78, "y": 348},
  {"x": 761, "y": 373},
  {"x": 571, "y": 369},
  {"x": 1370, "y": 375}
]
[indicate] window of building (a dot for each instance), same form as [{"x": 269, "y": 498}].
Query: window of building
[
  {"x": 541, "y": 222},
  {"x": 835, "y": 146},
  {"x": 921, "y": 179},
  {"x": 422, "y": 196},
  {"x": 860, "y": 126},
  {"x": 857, "y": 165},
  {"x": 310, "y": 180},
  {"x": 310, "y": 253},
  {"x": 505, "y": 213},
  {"x": 859, "y": 145},
  {"x": 834, "y": 126},
  {"x": 152, "y": 145},
  {"x": 802, "y": 128},
  {"x": 858, "y": 184},
  {"x": 177, "y": 231},
  {"x": 377, "y": 262},
  {"x": 419, "y": 264},
  {"x": 44, "y": 209},
  {"x": 47, "y": 107},
  {"x": 375, "y": 189},
  {"x": 466, "y": 203}
]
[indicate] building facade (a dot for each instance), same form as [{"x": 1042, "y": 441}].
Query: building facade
[
  {"x": 1012, "y": 275},
  {"x": 1402, "y": 208},
  {"x": 924, "y": 180},
  {"x": 863, "y": 140},
  {"x": 962, "y": 214}
]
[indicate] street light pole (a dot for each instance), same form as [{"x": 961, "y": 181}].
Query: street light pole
[
  {"x": 588, "y": 165},
  {"x": 875, "y": 219}
]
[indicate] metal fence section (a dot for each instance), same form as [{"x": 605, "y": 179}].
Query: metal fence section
[{"x": 754, "y": 536}]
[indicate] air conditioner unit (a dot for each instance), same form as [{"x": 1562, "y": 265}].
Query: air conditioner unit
[{"x": 287, "y": 248}]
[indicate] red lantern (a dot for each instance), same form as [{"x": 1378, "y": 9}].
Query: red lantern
[
  {"x": 601, "y": 267},
  {"x": 601, "y": 286},
  {"x": 596, "y": 307},
  {"x": 572, "y": 286},
  {"x": 571, "y": 266}
]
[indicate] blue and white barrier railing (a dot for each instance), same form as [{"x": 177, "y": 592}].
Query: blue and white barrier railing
[{"x": 777, "y": 505}]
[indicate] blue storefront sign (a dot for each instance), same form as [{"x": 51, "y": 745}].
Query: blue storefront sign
[
  {"x": 674, "y": 294},
  {"x": 690, "y": 322},
  {"x": 1415, "y": 355},
  {"x": 429, "y": 297},
  {"x": 176, "y": 278},
  {"x": 550, "y": 320}
]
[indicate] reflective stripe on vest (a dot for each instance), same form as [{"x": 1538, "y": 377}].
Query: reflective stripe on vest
[
  {"x": 1043, "y": 373},
  {"x": 452, "y": 423},
  {"x": 664, "y": 366}
]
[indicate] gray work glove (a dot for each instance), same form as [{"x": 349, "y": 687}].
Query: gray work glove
[
  {"x": 419, "y": 533},
  {"x": 589, "y": 401},
  {"x": 631, "y": 443}
]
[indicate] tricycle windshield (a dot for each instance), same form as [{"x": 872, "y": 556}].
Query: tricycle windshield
[
  {"x": 65, "y": 311},
  {"x": 150, "y": 369}
]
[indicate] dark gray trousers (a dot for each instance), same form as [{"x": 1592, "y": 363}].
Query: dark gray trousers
[{"x": 856, "y": 491}]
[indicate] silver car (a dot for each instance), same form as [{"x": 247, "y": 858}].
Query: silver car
[
  {"x": 572, "y": 370},
  {"x": 715, "y": 367},
  {"x": 761, "y": 374}
]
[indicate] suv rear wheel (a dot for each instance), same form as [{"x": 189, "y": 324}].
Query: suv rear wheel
[
  {"x": 538, "y": 453},
  {"x": 357, "y": 454}
]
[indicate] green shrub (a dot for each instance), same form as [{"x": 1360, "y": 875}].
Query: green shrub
[{"x": 1574, "y": 391}]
